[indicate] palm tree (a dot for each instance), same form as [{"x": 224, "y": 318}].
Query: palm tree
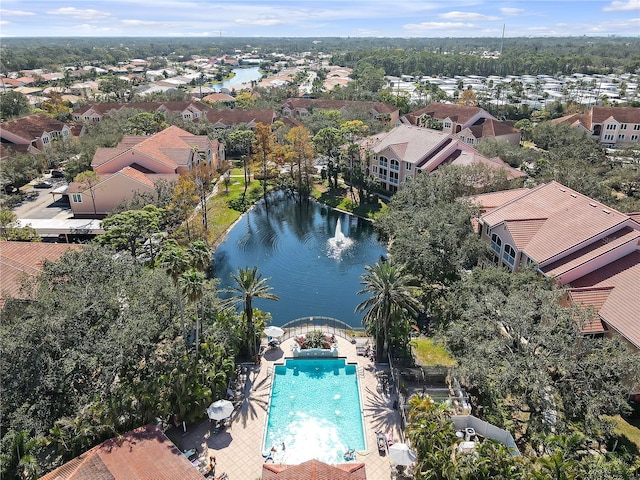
[
  {"x": 199, "y": 255},
  {"x": 390, "y": 290},
  {"x": 20, "y": 459},
  {"x": 192, "y": 285},
  {"x": 249, "y": 285},
  {"x": 175, "y": 262}
]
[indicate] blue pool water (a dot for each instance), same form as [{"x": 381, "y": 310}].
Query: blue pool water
[{"x": 315, "y": 410}]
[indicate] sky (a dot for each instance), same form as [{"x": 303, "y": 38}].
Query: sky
[{"x": 311, "y": 18}]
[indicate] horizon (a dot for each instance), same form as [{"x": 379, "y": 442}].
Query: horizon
[{"x": 316, "y": 19}]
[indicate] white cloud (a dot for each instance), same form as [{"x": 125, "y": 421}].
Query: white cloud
[
  {"x": 15, "y": 13},
  {"x": 263, "y": 21},
  {"x": 511, "y": 11},
  {"x": 423, "y": 26},
  {"x": 468, "y": 16},
  {"x": 87, "y": 14},
  {"x": 618, "y": 6},
  {"x": 140, "y": 23},
  {"x": 3, "y": 22}
]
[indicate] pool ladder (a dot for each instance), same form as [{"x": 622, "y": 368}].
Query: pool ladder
[{"x": 360, "y": 371}]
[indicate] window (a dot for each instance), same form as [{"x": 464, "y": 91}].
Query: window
[
  {"x": 608, "y": 137},
  {"x": 611, "y": 126},
  {"x": 509, "y": 254},
  {"x": 375, "y": 169},
  {"x": 65, "y": 133},
  {"x": 487, "y": 230},
  {"x": 383, "y": 161},
  {"x": 496, "y": 244},
  {"x": 623, "y": 126},
  {"x": 408, "y": 166},
  {"x": 621, "y": 137},
  {"x": 470, "y": 140},
  {"x": 393, "y": 177},
  {"x": 634, "y": 138},
  {"x": 447, "y": 124},
  {"x": 76, "y": 197},
  {"x": 383, "y": 173},
  {"x": 45, "y": 140},
  {"x": 636, "y": 127},
  {"x": 395, "y": 165}
]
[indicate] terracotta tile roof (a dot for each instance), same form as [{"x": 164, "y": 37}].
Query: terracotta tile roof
[
  {"x": 490, "y": 128},
  {"x": 576, "y": 119},
  {"x": 218, "y": 97},
  {"x": 314, "y": 470},
  {"x": 411, "y": 143},
  {"x": 489, "y": 201},
  {"x": 18, "y": 259},
  {"x": 617, "y": 239},
  {"x": 620, "y": 309},
  {"x": 236, "y": 116},
  {"x": 572, "y": 219},
  {"x": 594, "y": 298},
  {"x": 635, "y": 216},
  {"x": 142, "y": 454},
  {"x": 522, "y": 231},
  {"x": 621, "y": 114},
  {"x": 104, "y": 108},
  {"x": 32, "y": 126},
  {"x": 137, "y": 175},
  {"x": 459, "y": 113}
]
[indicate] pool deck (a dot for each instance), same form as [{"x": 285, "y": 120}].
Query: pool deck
[{"x": 238, "y": 448}]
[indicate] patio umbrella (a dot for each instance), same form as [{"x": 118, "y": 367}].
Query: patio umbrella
[
  {"x": 220, "y": 410},
  {"x": 400, "y": 454},
  {"x": 273, "y": 331}
]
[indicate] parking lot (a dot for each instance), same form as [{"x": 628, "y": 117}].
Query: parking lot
[{"x": 41, "y": 204}]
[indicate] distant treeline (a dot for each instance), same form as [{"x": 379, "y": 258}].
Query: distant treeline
[{"x": 397, "y": 56}]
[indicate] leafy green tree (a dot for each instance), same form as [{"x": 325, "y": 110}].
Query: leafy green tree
[
  {"x": 328, "y": 142},
  {"x": 10, "y": 229},
  {"x": 13, "y": 104},
  {"x": 146, "y": 123},
  {"x": 19, "y": 459},
  {"x": 192, "y": 284},
  {"x": 249, "y": 285},
  {"x": 264, "y": 149},
  {"x": 300, "y": 153},
  {"x": 20, "y": 168},
  {"x": 175, "y": 262},
  {"x": 134, "y": 231},
  {"x": 391, "y": 297}
]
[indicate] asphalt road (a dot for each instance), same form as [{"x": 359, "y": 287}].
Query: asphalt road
[{"x": 43, "y": 206}]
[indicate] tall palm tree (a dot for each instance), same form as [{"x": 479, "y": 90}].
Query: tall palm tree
[
  {"x": 175, "y": 261},
  {"x": 390, "y": 290},
  {"x": 199, "y": 255},
  {"x": 249, "y": 285},
  {"x": 192, "y": 285}
]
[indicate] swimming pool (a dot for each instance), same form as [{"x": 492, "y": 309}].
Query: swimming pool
[{"x": 315, "y": 411}]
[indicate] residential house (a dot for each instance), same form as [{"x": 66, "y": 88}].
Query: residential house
[
  {"x": 218, "y": 97},
  {"x": 21, "y": 260},
  {"x": 609, "y": 126},
  {"x": 584, "y": 245},
  {"x": 145, "y": 453},
  {"x": 188, "y": 110},
  {"x": 300, "y": 107},
  {"x": 33, "y": 132},
  {"x": 471, "y": 124},
  {"x": 407, "y": 151},
  {"x": 137, "y": 164}
]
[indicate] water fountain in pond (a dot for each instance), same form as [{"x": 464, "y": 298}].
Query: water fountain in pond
[{"x": 339, "y": 242}]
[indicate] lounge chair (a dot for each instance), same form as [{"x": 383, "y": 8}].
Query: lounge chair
[{"x": 381, "y": 440}]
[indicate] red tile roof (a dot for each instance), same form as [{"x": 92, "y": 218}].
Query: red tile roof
[
  {"x": 142, "y": 454},
  {"x": 238, "y": 116},
  {"x": 491, "y": 200},
  {"x": 20, "y": 259},
  {"x": 32, "y": 126},
  {"x": 594, "y": 298},
  {"x": 620, "y": 309},
  {"x": 459, "y": 113},
  {"x": 621, "y": 114},
  {"x": 314, "y": 470},
  {"x": 572, "y": 219},
  {"x": 137, "y": 175}
]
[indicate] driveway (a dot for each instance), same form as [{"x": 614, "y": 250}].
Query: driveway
[{"x": 43, "y": 205}]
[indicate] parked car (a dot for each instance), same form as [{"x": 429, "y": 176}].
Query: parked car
[
  {"x": 57, "y": 174},
  {"x": 43, "y": 185}
]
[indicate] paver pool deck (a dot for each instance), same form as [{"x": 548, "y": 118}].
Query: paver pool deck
[{"x": 238, "y": 448}]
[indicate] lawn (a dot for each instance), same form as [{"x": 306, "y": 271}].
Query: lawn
[
  {"x": 629, "y": 433},
  {"x": 428, "y": 352}
]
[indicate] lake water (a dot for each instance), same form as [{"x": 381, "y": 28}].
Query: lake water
[
  {"x": 242, "y": 75},
  {"x": 292, "y": 244}
]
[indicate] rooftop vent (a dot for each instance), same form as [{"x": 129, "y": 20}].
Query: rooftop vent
[
  {"x": 573, "y": 195},
  {"x": 592, "y": 205},
  {"x": 562, "y": 189},
  {"x": 606, "y": 211}
]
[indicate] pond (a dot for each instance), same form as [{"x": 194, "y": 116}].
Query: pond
[
  {"x": 242, "y": 75},
  {"x": 314, "y": 271}
]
